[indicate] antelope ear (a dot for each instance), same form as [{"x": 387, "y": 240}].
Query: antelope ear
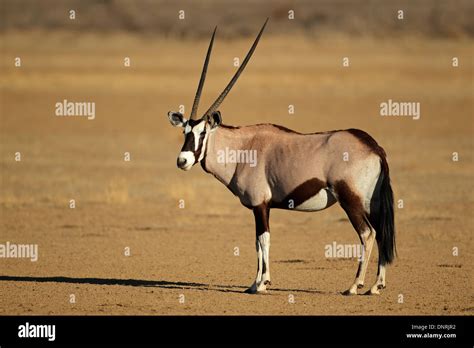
[
  {"x": 176, "y": 119},
  {"x": 215, "y": 119}
]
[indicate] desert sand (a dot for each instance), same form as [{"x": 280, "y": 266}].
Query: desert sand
[{"x": 182, "y": 260}]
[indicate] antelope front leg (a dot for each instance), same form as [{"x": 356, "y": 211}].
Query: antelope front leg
[{"x": 262, "y": 215}]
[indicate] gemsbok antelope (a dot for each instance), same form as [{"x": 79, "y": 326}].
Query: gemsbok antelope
[{"x": 303, "y": 172}]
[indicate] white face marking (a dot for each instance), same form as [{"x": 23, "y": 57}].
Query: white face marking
[
  {"x": 187, "y": 129},
  {"x": 189, "y": 157},
  {"x": 197, "y": 130}
]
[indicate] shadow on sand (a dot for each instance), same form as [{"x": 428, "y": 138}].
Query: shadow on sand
[{"x": 144, "y": 283}]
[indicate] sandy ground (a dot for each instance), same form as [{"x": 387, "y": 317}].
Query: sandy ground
[{"x": 190, "y": 251}]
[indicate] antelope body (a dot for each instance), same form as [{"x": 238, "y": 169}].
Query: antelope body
[{"x": 295, "y": 171}]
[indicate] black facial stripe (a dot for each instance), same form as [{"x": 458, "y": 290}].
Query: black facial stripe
[
  {"x": 188, "y": 142},
  {"x": 201, "y": 141}
]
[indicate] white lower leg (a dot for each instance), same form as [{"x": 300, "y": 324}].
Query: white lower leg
[
  {"x": 358, "y": 283},
  {"x": 264, "y": 240},
  {"x": 380, "y": 282},
  {"x": 369, "y": 244},
  {"x": 368, "y": 238},
  {"x": 258, "y": 278},
  {"x": 263, "y": 272}
]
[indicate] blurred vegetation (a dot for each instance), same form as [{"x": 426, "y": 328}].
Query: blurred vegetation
[{"x": 377, "y": 18}]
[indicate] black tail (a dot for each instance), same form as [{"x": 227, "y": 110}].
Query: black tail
[{"x": 382, "y": 216}]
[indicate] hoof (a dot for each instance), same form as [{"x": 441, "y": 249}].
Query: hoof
[
  {"x": 254, "y": 291},
  {"x": 373, "y": 291},
  {"x": 261, "y": 288},
  {"x": 267, "y": 282},
  {"x": 352, "y": 290},
  {"x": 250, "y": 290},
  {"x": 349, "y": 292}
]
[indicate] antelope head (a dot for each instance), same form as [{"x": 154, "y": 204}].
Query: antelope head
[{"x": 196, "y": 130}]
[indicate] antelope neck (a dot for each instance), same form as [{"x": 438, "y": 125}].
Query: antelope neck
[{"x": 220, "y": 139}]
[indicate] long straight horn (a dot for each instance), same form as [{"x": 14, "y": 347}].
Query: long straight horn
[
  {"x": 203, "y": 77},
  {"x": 226, "y": 91}
]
